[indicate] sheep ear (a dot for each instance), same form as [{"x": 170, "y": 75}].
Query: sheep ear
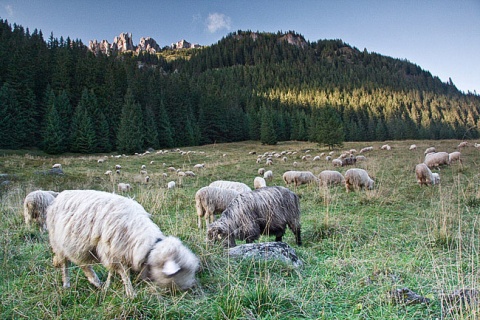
[{"x": 170, "y": 268}]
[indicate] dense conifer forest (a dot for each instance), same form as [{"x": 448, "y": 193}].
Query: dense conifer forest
[{"x": 57, "y": 95}]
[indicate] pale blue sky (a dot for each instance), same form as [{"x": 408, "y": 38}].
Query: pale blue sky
[{"x": 441, "y": 36}]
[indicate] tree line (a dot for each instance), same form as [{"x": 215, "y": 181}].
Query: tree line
[{"x": 57, "y": 95}]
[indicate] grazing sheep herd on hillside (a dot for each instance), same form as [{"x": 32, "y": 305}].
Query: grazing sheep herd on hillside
[{"x": 87, "y": 226}]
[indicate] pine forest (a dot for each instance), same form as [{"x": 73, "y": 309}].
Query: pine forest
[{"x": 58, "y": 96}]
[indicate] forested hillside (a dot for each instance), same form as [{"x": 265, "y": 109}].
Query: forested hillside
[{"x": 57, "y": 95}]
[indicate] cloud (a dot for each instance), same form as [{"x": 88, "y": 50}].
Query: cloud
[
  {"x": 9, "y": 10},
  {"x": 218, "y": 21}
]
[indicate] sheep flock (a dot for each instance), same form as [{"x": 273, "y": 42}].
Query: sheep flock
[{"x": 112, "y": 228}]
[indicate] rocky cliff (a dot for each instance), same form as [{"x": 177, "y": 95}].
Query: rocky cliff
[{"x": 123, "y": 43}]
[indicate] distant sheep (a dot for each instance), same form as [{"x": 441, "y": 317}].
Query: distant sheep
[
  {"x": 413, "y": 147},
  {"x": 268, "y": 175},
  {"x": 88, "y": 227},
  {"x": 349, "y": 161},
  {"x": 299, "y": 177},
  {"x": 124, "y": 187},
  {"x": 238, "y": 186},
  {"x": 189, "y": 173},
  {"x": 171, "y": 185},
  {"x": 263, "y": 211},
  {"x": 425, "y": 176},
  {"x": 118, "y": 167},
  {"x": 35, "y": 207},
  {"x": 366, "y": 149},
  {"x": 261, "y": 171},
  {"x": 57, "y": 166},
  {"x": 429, "y": 150},
  {"x": 357, "y": 179},
  {"x": 361, "y": 158},
  {"x": 454, "y": 156},
  {"x": 259, "y": 182},
  {"x": 436, "y": 159},
  {"x": 211, "y": 200},
  {"x": 330, "y": 177},
  {"x": 476, "y": 145},
  {"x": 386, "y": 147},
  {"x": 337, "y": 162},
  {"x": 462, "y": 144},
  {"x": 108, "y": 173},
  {"x": 199, "y": 166}
]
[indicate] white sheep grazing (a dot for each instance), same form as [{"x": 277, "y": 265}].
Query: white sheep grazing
[
  {"x": 143, "y": 172},
  {"x": 238, "y": 186},
  {"x": 462, "y": 144},
  {"x": 57, "y": 166},
  {"x": 436, "y": 159},
  {"x": 269, "y": 162},
  {"x": 118, "y": 167},
  {"x": 259, "y": 182},
  {"x": 454, "y": 156},
  {"x": 299, "y": 177},
  {"x": 100, "y": 160},
  {"x": 88, "y": 227},
  {"x": 261, "y": 171},
  {"x": 268, "y": 175},
  {"x": 386, "y": 147},
  {"x": 211, "y": 200},
  {"x": 429, "y": 150},
  {"x": 328, "y": 158},
  {"x": 424, "y": 175},
  {"x": 35, "y": 207},
  {"x": 124, "y": 187},
  {"x": 365, "y": 149},
  {"x": 189, "y": 173},
  {"x": 477, "y": 145},
  {"x": 358, "y": 179},
  {"x": 413, "y": 147},
  {"x": 330, "y": 177},
  {"x": 316, "y": 158},
  {"x": 108, "y": 172},
  {"x": 171, "y": 185},
  {"x": 199, "y": 166},
  {"x": 143, "y": 167},
  {"x": 361, "y": 158},
  {"x": 337, "y": 162}
]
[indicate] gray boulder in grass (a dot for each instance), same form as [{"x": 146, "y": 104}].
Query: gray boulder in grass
[{"x": 267, "y": 250}]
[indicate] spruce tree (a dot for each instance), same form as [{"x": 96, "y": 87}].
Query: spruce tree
[
  {"x": 165, "y": 139},
  {"x": 53, "y": 135},
  {"x": 328, "y": 127},
  {"x": 83, "y": 138},
  {"x": 151, "y": 133},
  {"x": 130, "y": 133},
  {"x": 8, "y": 105},
  {"x": 267, "y": 130}
]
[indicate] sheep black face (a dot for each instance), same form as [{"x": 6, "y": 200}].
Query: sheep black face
[{"x": 218, "y": 235}]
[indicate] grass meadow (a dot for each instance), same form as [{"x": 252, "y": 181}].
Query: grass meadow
[{"x": 359, "y": 248}]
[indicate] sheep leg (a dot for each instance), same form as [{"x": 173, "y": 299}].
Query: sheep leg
[
  {"x": 59, "y": 261},
  {"x": 91, "y": 276},
  {"x": 106, "y": 285},
  {"x": 125, "y": 274},
  {"x": 199, "y": 222}
]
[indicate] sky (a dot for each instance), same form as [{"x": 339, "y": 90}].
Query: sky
[{"x": 441, "y": 36}]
